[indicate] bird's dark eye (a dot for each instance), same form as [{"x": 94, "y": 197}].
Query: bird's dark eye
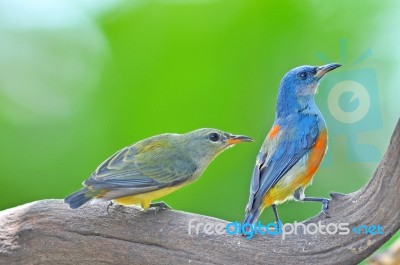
[
  {"x": 303, "y": 75},
  {"x": 213, "y": 137}
]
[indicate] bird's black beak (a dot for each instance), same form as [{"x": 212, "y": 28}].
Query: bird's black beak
[
  {"x": 234, "y": 139},
  {"x": 322, "y": 70}
]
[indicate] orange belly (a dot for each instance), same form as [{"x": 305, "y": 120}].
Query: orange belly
[{"x": 285, "y": 188}]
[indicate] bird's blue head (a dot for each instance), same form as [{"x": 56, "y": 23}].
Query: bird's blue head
[{"x": 298, "y": 87}]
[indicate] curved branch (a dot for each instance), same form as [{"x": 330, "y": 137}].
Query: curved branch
[{"x": 47, "y": 232}]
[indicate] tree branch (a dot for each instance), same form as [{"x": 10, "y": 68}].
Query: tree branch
[{"x": 47, "y": 232}]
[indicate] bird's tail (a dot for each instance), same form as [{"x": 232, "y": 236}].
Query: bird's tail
[
  {"x": 79, "y": 198},
  {"x": 251, "y": 217}
]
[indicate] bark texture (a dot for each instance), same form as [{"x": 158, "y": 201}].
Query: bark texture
[{"x": 47, "y": 232}]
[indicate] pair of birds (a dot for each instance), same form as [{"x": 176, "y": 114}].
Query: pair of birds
[{"x": 285, "y": 165}]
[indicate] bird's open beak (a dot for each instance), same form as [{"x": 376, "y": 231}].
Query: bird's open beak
[
  {"x": 322, "y": 70},
  {"x": 234, "y": 139}
]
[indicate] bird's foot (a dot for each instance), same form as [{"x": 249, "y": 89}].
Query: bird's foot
[
  {"x": 116, "y": 207},
  {"x": 278, "y": 225},
  {"x": 108, "y": 207},
  {"x": 325, "y": 206},
  {"x": 160, "y": 206}
]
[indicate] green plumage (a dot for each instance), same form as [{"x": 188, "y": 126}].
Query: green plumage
[{"x": 155, "y": 163}]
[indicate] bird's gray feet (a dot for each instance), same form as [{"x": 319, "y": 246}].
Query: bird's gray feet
[
  {"x": 299, "y": 196},
  {"x": 116, "y": 207},
  {"x": 108, "y": 207},
  {"x": 277, "y": 220},
  {"x": 325, "y": 206},
  {"x": 160, "y": 206}
]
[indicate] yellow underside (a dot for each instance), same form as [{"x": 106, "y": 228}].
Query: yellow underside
[
  {"x": 145, "y": 199},
  {"x": 280, "y": 194},
  {"x": 284, "y": 191}
]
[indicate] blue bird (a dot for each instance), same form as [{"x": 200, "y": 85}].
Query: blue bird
[{"x": 293, "y": 148}]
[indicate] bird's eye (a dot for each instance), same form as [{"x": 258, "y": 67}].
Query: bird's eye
[
  {"x": 303, "y": 75},
  {"x": 213, "y": 137}
]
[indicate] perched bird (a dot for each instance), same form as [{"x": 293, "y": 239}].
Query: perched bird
[
  {"x": 293, "y": 148},
  {"x": 153, "y": 168}
]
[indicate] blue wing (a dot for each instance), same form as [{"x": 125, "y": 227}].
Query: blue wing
[{"x": 280, "y": 154}]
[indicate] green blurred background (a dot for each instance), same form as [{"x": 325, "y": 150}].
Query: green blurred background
[{"x": 81, "y": 79}]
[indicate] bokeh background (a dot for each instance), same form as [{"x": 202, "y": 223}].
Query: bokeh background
[{"x": 80, "y": 79}]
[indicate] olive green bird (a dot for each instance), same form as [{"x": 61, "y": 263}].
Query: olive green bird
[{"x": 153, "y": 168}]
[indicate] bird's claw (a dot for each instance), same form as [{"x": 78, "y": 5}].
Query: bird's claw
[
  {"x": 325, "y": 206},
  {"x": 108, "y": 206},
  {"x": 160, "y": 206},
  {"x": 117, "y": 207}
]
